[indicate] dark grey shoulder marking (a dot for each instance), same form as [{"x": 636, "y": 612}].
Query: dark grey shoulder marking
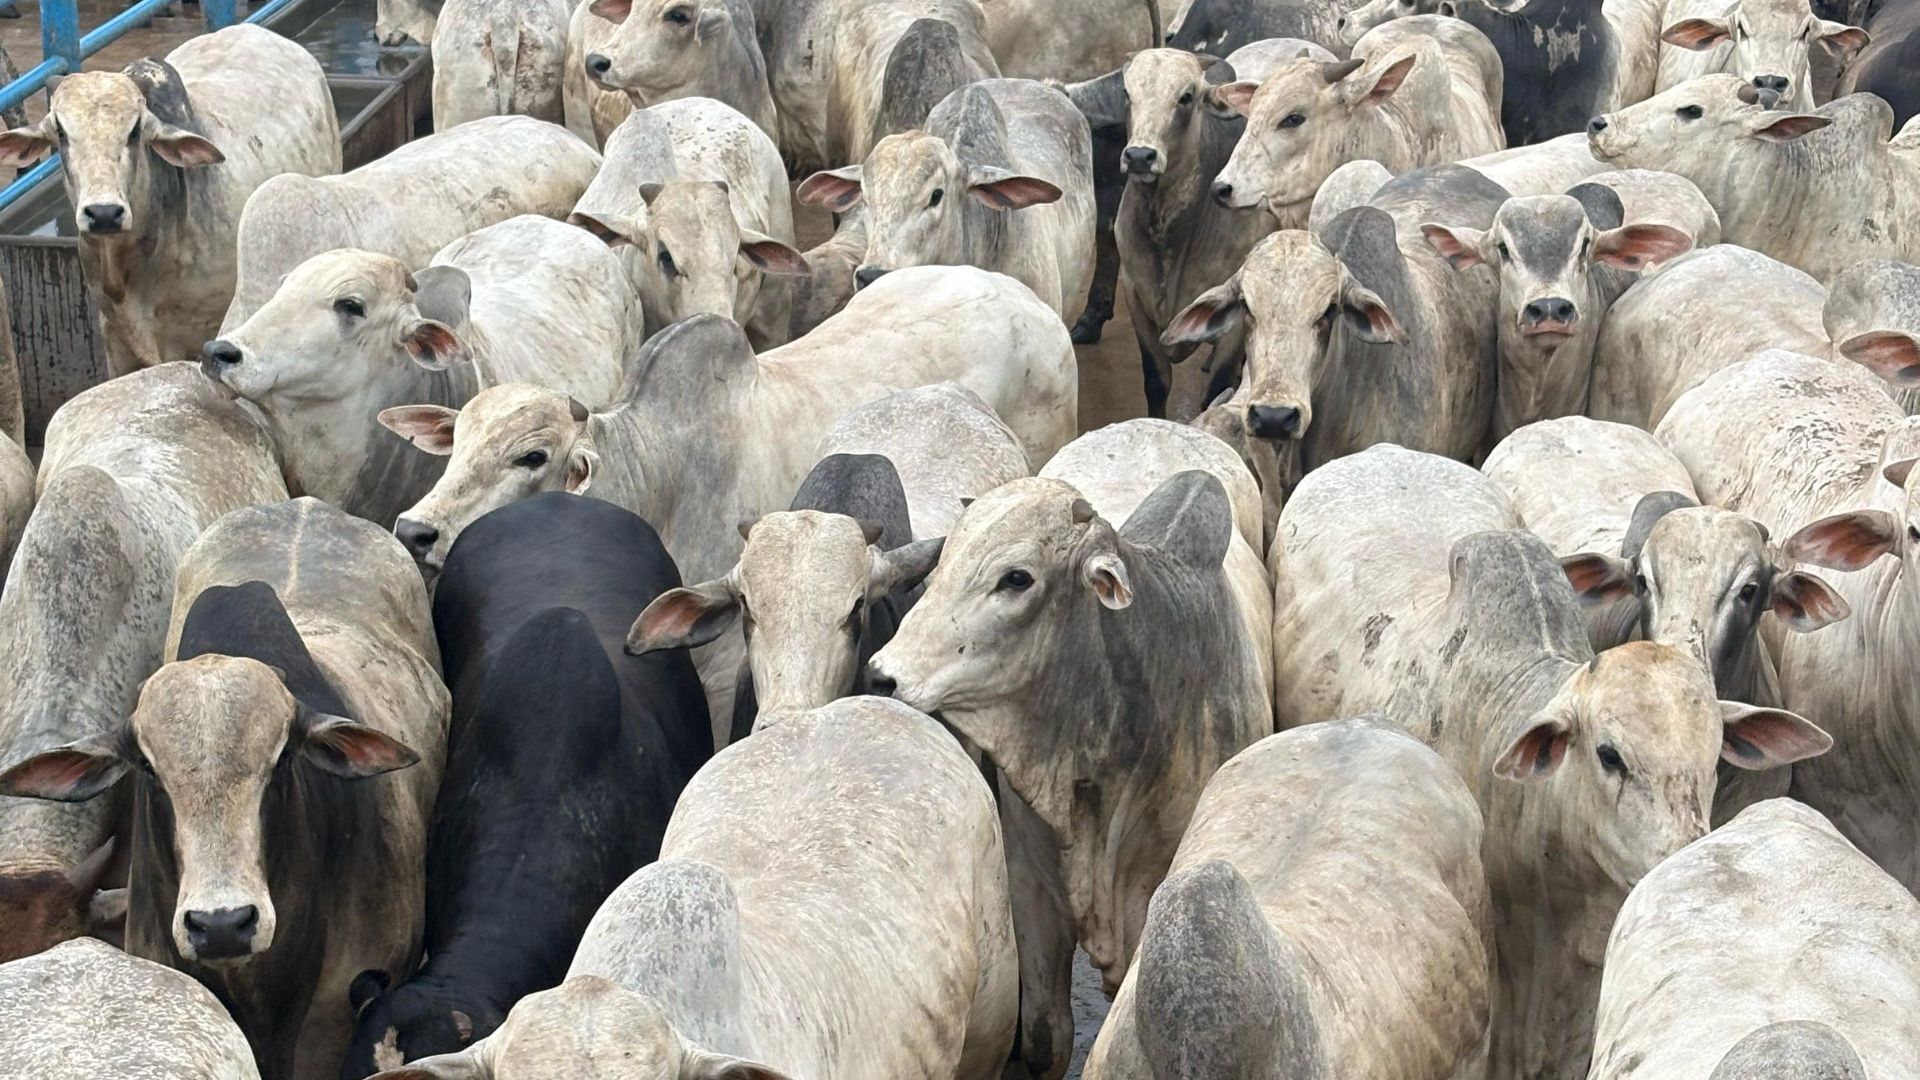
[
  {"x": 925, "y": 66},
  {"x": 1189, "y": 517},
  {"x": 862, "y": 486},
  {"x": 692, "y": 351},
  {"x": 1793, "y": 1050},
  {"x": 249, "y": 620},
  {"x": 1510, "y": 593},
  {"x": 1647, "y": 513},
  {"x": 166, "y": 95},
  {"x": 1452, "y": 194},
  {"x": 1366, "y": 243},
  {"x": 1602, "y": 204},
  {"x": 972, "y": 123}
]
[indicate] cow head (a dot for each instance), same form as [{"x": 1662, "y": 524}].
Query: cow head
[
  {"x": 1296, "y": 298},
  {"x": 1767, "y": 43},
  {"x": 509, "y": 441},
  {"x": 1354, "y": 24},
  {"x": 112, "y": 145},
  {"x": 42, "y": 907},
  {"x": 1696, "y": 129},
  {"x": 1857, "y": 539},
  {"x": 802, "y": 588},
  {"x": 1166, "y": 93},
  {"x": 1872, "y": 317},
  {"x": 915, "y": 188},
  {"x": 587, "y": 1028},
  {"x": 662, "y": 47},
  {"x": 1629, "y": 746},
  {"x": 1306, "y": 120},
  {"x": 341, "y": 324},
  {"x": 217, "y": 739}
]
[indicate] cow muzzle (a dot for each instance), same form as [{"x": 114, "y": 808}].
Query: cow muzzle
[
  {"x": 1549, "y": 318},
  {"x": 221, "y": 934},
  {"x": 1278, "y": 422},
  {"x": 1142, "y": 164},
  {"x": 103, "y": 219}
]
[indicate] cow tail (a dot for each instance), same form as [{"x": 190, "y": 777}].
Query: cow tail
[{"x": 506, "y": 58}]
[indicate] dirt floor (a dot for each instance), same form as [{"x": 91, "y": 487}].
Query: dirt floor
[{"x": 21, "y": 38}]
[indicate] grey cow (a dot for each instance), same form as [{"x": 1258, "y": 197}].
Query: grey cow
[
  {"x": 134, "y": 471},
  {"x": 272, "y": 860}
]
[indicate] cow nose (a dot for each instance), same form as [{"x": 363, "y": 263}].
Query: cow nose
[
  {"x": 220, "y": 353},
  {"x": 1552, "y": 309},
  {"x": 1139, "y": 158},
  {"x": 417, "y": 537},
  {"x": 1597, "y": 125},
  {"x": 1274, "y": 421},
  {"x": 598, "y": 65},
  {"x": 1340, "y": 23},
  {"x": 223, "y": 933},
  {"x": 1222, "y": 191},
  {"x": 879, "y": 683},
  {"x": 867, "y": 275},
  {"x": 104, "y": 217},
  {"x": 1775, "y": 83}
]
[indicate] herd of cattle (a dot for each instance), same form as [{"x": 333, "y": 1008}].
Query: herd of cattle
[{"x": 1530, "y": 447}]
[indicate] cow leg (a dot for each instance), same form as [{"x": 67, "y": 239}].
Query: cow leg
[
  {"x": 1044, "y": 935},
  {"x": 1109, "y": 183}
]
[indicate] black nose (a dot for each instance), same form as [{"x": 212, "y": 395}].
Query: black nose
[
  {"x": 416, "y": 536},
  {"x": 222, "y": 934},
  {"x": 1274, "y": 421},
  {"x": 1775, "y": 83},
  {"x": 1552, "y": 309},
  {"x": 867, "y": 275},
  {"x": 1340, "y": 23},
  {"x": 1597, "y": 125},
  {"x": 598, "y": 65},
  {"x": 1139, "y": 158},
  {"x": 220, "y": 352},
  {"x": 878, "y": 684},
  {"x": 1222, "y": 191},
  {"x": 104, "y": 217}
]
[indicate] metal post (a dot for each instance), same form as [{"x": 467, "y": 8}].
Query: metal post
[
  {"x": 60, "y": 31},
  {"x": 220, "y": 13}
]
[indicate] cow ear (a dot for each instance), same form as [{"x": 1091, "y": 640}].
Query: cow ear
[
  {"x": 903, "y": 567},
  {"x": 1597, "y": 578},
  {"x": 1461, "y": 247},
  {"x": 1636, "y": 247},
  {"x": 1106, "y": 574},
  {"x": 434, "y": 346},
  {"x": 835, "y": 190},
  {"x": 468, "y": 1064},
  {"x": 771, "y": 255},
  {"x": 24, "y": 146},
  {"x": 107, "y": 913},
  {"x": 1894, "y": 355},
  {"x": 1369, "y": 316},
  {"x": 1844, "y": 40},
  {"x": 1849, "y": 541},
  {"x": 698, "y": 1064},
  {"x": 182, "y": 148},
  {"x": 1390, "y": 80},
  {"x": 429, "y": 427},
  {"x": 1233, "y": 99},
  {"x": 685, "y": 617},
  {"x": 462, "y": 1025},
  {"x": 580, "y": 465},
  {"x": 1210, "y": 316},
  {"x": 712, "y": 20},
  {"x": 72, "y": 773},
  {"x": 1805, "y": 603},
  {"x": 1696, "y": 34},
  {"x": 366, "y": 987},
  {"x": 349, "y": 749},
  {"x": 1777, "y": 127},
  {"x": 1003, "y": 190},
  {"x": 443, "y": 294},
  {"x": 610, "y": 230},
  {"x": 1537, "y": 753},
  {"x": 1757, "y": 738},
  {"x": 614, "y": 11}
]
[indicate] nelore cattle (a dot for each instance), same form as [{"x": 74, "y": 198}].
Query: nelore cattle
[{"x": 564, "y": 762}]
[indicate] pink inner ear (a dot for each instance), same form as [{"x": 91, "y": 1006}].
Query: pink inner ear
[
  {"x": 601, "y": 230},
  {"x": 1391, "y": 80},
  {"x": 1694, "y": 34},
  {"x": 835, "y": 193},
  {"x": 1536, "y": 754},
  {"x": 775, "y": 257},
  {"x": 1637, "y": 245},
  {"x": 1016, "y": 193},
  {"x": 433, "y": 342},
  {"x": 1449, "y": 246},
  {"x": 614, "y": 11},
  {"x": 673, "y": 615},
  {"x": 1891, "y": 354},
  {"x": 1844, "y": 541},
  {"x": 1806, "y": 603}
]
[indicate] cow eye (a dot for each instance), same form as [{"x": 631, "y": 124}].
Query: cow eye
[
  {"x": 934, "y": 199},
  {"x": 1688, "y": 112},
  {"x": 1640, "y": 583},
  {"x": 1913, "y": 533},
  {"x": 1748, "y": 592},
  {"x": 1327, "y": 315},
  {"x": 1611, "y": 760},
  {"x": 1186, "y": 99},
  {"x": 853, "y": 617},
  {"x": 133, "y": 137},
  {"x": 678, "y": 16},
  {"x": 351, "y": 307},
  {"x": 532, "y": 459},
  {"x": 146, "y": 766},
  {"x": 1292, "y": 120},
  {"x": 666, "y": 264},
  {"x": 1505, "y": 253},
  {"x": 1014, "y": 581}
]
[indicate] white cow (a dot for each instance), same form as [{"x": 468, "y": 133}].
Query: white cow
[
  {"x": 85, "y": 1009},
  {"x": 1820, "y": 190},
  {"x": 1767, "y": 43},
  {"x": 1069, "y": 39},
  {"x": 351, "y": 332},
  {"x": 1000, "y": 176},
  {"x": 1267, "y": 950},
  {"x": 694, "y": 197},
  {"x": 1817, "y": 453},
  {"x": 830, "y": 901},
  {"x": 492, "y": 58},
  {"x": 410, "y": 203},
  {"x": 1771, "y": 948},
  {"x": 1406, "y": 589},
  {"x": 159, "y": 161}
]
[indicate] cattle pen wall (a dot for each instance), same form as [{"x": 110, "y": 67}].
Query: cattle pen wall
[{"x": 380, "y": 94}]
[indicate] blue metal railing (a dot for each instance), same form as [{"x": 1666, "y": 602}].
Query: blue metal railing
[{"x": 65, "y": 48}]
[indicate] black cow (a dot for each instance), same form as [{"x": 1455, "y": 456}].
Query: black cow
[
  {"x": 1890, "y": 64},
  {"x": 1561, "y": 58},
  {"x": 564, "y": 763}
]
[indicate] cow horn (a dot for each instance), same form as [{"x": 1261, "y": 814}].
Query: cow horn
[
  {"x": 1333, "y": 73},
  {"x": 1082, "y": 511},
  {"x": 577, "y": 410}
]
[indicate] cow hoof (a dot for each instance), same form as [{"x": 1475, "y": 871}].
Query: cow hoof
[
  {"x": 9, "y": 11},
  {"x": 1088, "y": 330}
]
